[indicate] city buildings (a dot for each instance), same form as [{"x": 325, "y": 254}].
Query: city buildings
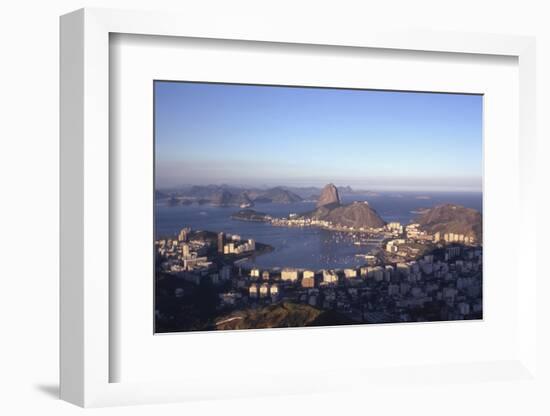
[
  {"x": 444, "y": 282},
  {"x": 225, "y": 273},
  {"x": 330, "y": 277},
  {"x": 185, "y": 250},
  {"x": 264, "y": 290},
  {"x": 182, "y": 235},
  {"x": 289, "y": 274},
  {"x": 308, "y": 279},
  {"x": 221, "y": 243},
  {"x": 350, "y": 273}
]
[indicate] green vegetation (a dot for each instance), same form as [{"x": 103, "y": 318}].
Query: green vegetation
[{"x": 281, "y": 315}]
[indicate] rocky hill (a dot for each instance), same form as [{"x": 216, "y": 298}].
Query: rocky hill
[
  {"x": 357, "y": 214},
  {"x": 225, "y": 198},
  {"x": 329, "y": 196},
  {"x": 225, "y": 195},
  {"x": 276, "y": 195},
  {"x": 451, "y": 218}
]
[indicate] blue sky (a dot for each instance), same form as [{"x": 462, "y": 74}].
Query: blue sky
[{"x": 266, "y": 136}]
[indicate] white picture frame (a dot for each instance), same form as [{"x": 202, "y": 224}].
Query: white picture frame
[{"x": 86, "y": 355}]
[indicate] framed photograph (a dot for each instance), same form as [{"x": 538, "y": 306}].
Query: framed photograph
[
  {"x": 251, "y": 232},
  {"x": 320, "y": 211}
]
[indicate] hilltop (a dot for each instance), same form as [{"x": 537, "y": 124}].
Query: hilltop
[
  {"x": 281, "y": 315},
  {"x": 329, "y": 196},
  {"x": 277, "y": 195},
  {"x": 357, "y": 214},
  {"x": 225, "y": 198},
  {"x": 224, "y": 195},
  {"x": 451, "y": 218}
]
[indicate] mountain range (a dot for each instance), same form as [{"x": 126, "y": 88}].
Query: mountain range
[
  {"x": 222, "y": 195},
  {"x": 228, "y": 195}
]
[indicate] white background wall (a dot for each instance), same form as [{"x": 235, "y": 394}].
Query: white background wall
[{"x": 29, "y": 205}]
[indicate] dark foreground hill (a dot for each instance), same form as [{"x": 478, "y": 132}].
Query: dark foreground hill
[
  {"x": 281, "y": 315},
  {"x": 452, "y": 218}
]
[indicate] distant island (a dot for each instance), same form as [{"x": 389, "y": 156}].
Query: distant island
[
  {"x": 251, "y": 215},
  {"x": 223, "y": 196}
]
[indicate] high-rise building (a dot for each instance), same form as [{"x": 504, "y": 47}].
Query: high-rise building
[
  {"x": 308, "y": 274},
  {"x": 185, "y": 253},
  {"x": 395, "y": 226},
  {"x": 225, "y": 273},
  {"x": 378, "y": 273},
  {"x": 274, "y": 290},
  {"x": 452, "y": 252},
  {"x": 330, "y": 276},
  {"x": 308, "y": 279},
  {"x": 231, "y": 248},
  {"x": 184, "y": 234},
  {"x": 350, "y": 273},
  {"x": 264, "y": 290},
  {"x": 289, "y": 274},
  {"x": 253, "y": 290},
  {"x": 220, "y": 243}
]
